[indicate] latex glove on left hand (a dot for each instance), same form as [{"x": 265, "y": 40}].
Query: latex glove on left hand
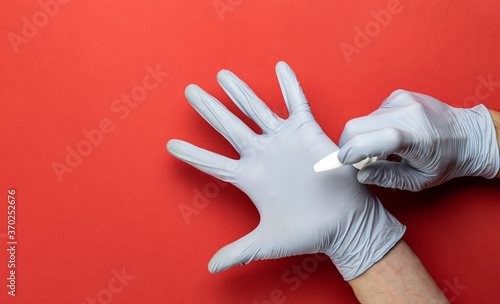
[{"x": 300, "y": 211}]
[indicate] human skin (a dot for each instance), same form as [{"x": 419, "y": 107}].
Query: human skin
[
  {"x": 399, "y": 277},
  {"x": 495, "y": 115}
]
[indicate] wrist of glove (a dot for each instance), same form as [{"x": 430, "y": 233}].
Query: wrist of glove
[
  {"x": 301, "y": 211},
  {"x": 352, "y": 254},
  {"x": 479, "y": 155}
]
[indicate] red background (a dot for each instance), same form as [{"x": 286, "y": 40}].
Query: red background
[{"x": 120, "y": 207}]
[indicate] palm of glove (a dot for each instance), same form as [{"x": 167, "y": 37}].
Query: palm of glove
[{"x": 301, "y": 211}]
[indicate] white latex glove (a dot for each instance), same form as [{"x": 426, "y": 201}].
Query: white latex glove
[
  {"x": 435, "y": 141},
  {"x": 300, "y": 211}
]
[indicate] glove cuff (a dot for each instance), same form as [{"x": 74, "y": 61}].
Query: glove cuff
[
  {"x": 368, "y": 238},
  {"x": 480, "y": 156}
]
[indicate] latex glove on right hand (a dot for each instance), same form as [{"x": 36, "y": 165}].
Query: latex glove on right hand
[
  {"x": 436, "y": 142},
  {"x": 301, "y": 211}
]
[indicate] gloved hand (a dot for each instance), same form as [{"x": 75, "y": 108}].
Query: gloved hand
[
  {"x": 435, "y": 141},
  {"x": 300, "y": 211}
]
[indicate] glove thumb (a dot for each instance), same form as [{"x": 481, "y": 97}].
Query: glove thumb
[
  {"x": 389, "y": 174},
  {"x": 240, "y": 252}
]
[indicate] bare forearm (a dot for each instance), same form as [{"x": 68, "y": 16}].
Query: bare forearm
[
  {"x": 399, "y": 277},
  {"x": 495, "y": 115}
]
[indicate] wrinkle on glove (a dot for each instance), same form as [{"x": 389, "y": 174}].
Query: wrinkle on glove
[
  {"x": 300, "y": 211},
  {"x": 435, "y": 141}
]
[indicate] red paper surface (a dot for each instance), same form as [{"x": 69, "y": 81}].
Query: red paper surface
[{"x": 112, "y": 230}]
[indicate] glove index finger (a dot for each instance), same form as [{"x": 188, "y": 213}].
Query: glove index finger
[{"x": 380, "y": 142}]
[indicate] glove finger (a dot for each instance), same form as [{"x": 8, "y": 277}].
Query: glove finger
[
  {"x": 219, "y": 117},
  {"x": 378, "y": 119},
  {"x": 290, "y": 88},
  {"x": 399, "y": 98},
  {"x": 379, "y": 142},
  {"x": 248, "y": 102},
  {"x": 222, "y": 167},
  {"x": 389, "y": 174},
  {"x": 241, "y": 252}
]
